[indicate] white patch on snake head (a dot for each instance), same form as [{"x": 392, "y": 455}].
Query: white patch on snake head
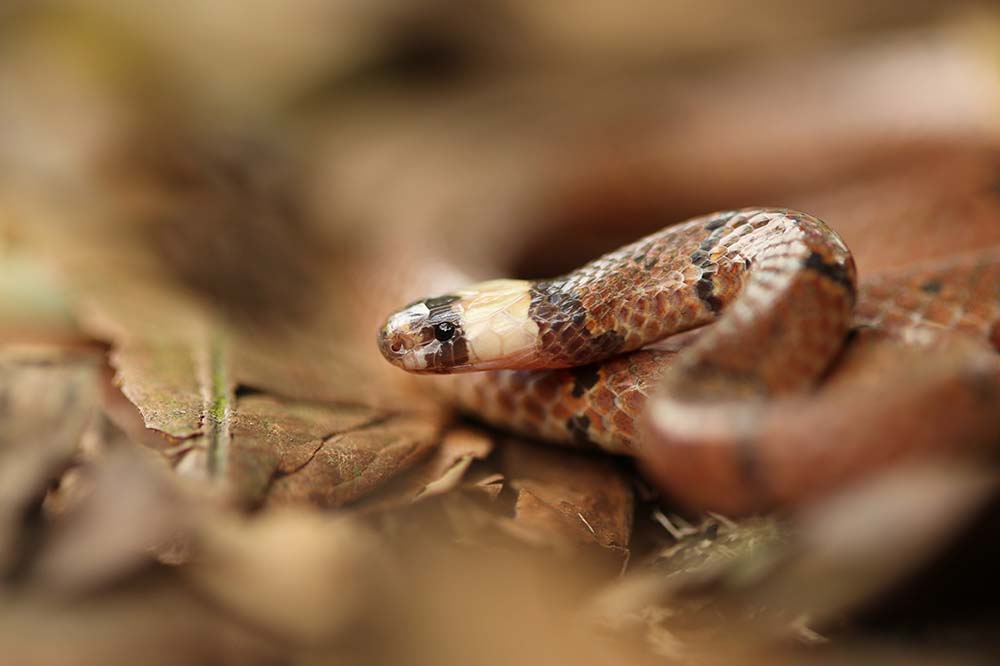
[{"x": 496, "y": 323}]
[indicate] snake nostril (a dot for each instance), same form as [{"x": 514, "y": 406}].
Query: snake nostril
[{"x": 396, "y": 347}]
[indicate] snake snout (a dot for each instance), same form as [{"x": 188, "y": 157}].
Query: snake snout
[
  {"x": 404, "y": 333},
  {"x": 392, "y": 344},
  {"x": 401, "y": 347}
]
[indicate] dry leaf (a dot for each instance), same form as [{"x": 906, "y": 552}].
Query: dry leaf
[
  {"x": 569, "y": 495},
  {"x": 301, "y": 576},
  {"x": 47, "y": 407},
  {"x": 151, "y": 620},
  {"x": 443, "y": 471},
  {"x": 132, "y": 510}
]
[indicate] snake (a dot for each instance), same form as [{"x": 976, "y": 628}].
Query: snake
[{"x": 735, "y": 354}]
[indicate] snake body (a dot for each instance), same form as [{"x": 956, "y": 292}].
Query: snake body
[{"x": 569, "y": 359}]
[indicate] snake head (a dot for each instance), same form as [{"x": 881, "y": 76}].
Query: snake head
[
  {"x": 482, "y": 327},
  {"x": 425, "y": 336}
]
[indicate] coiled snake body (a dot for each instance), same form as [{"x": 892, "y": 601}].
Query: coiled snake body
[{"x": 728, "y": 415}]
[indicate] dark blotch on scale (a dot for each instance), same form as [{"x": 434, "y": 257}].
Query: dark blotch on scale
[
  {"x": 932, "y": 287},
  {"x": 609, "y": 342},
  {"x": 717, "y": 223},
  {"x": 720, "y": 220},
  {"x": 705, "y": 289},
  {"x": 700, "y": 258},
  {"x": 853, "y": 334},
  {"x": 441, "y": 301},
  {"x": 585, "y": 377},
  {"x": 832, "y": 271}
]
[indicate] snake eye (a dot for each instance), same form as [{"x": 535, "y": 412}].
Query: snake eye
[{"x": 444, "y": 331}]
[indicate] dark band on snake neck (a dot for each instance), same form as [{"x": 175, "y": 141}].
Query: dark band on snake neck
[
  {"x": 832, "y": 271},
  {"x": 562, "y": 320}
]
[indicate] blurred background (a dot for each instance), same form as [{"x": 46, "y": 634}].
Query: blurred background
[{"x": 207, "y": 207}]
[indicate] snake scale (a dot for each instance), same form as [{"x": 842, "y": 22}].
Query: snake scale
[{"x": 735, "y": 354}]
